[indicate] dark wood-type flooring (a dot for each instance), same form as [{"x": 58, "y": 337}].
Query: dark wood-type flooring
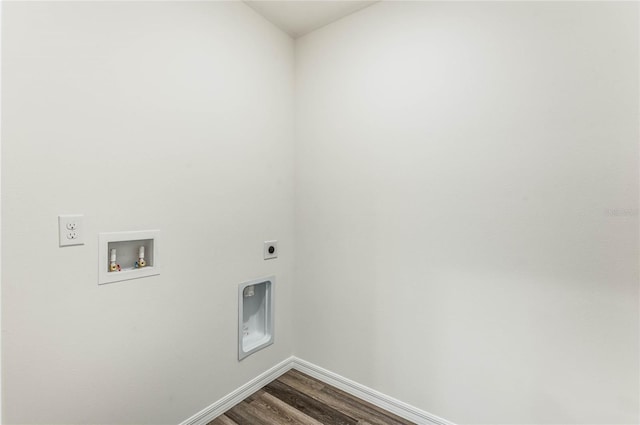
[{"x": 296, "y": 398}]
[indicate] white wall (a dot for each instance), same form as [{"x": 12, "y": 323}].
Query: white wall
[
  {"x": 467, "y": 194},
  {"x": 140, "y": 115},
  {"x": 467, "y": 197}
]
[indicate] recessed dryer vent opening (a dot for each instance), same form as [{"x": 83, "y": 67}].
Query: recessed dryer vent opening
[{"x": 255, "y": 316}]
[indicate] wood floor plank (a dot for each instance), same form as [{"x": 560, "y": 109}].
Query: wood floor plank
[
  {"x": 251, "y": 397},
  {"x": 276, "y": 409},
  {"x": 341, "y": 400},
  {"x": 314, "y": 382},
  {"x": 299, "y": 399},
  {"x": 359, "y": 411},
  {"x": 309, "y": 406},
  {"x": 222, "y": 420},
  {"x": 244, "y": 414}
]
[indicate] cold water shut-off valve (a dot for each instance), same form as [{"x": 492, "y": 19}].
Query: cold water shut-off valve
[{"x": 140, "y": 262}]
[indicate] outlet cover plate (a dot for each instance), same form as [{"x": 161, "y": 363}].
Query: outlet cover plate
[
  {"x": 70, "y": 229},
  {"x": 270, "y": 250}
]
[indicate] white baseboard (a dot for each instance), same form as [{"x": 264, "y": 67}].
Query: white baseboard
[
  {"x": 208, "y": 414},
  {"x": 374, "y": 397},
  {"x": 358, "y": 390}
]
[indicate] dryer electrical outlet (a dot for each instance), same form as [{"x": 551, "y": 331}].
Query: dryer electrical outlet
[{"x": 270, "y": 250}]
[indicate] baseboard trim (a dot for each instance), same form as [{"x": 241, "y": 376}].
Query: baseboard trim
[
  {"x": 208, "y": 414},
  {"x": 374, "y": 397}
]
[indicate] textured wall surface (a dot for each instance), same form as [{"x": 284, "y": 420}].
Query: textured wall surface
[
  {"x": 467, "y": 194},
  {"x": 143, "y": 115}
]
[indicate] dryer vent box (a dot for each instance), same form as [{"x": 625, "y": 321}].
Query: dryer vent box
[{"x": 255, "y": 316}]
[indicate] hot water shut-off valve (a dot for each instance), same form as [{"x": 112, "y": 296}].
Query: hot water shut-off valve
[{"x": 113, "y": 263}]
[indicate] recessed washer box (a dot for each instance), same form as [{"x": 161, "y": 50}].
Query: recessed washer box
[
  {"x": 255, "y": 316},
  {"x": 124, "y": 249}
]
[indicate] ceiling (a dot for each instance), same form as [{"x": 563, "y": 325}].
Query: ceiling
[{"x": 299, "y": 17}]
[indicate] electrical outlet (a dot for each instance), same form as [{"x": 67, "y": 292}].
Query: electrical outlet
[
  {"x": 270, "y": 250},
  {"x": 70, "y": 230}
]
